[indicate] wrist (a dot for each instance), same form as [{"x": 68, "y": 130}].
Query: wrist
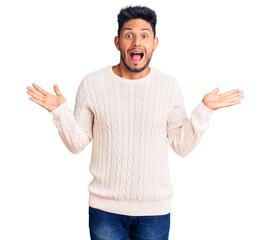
[{"x": 204, "y": 102}]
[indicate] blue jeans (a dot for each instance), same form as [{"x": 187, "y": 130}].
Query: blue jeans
[{"x": 111, "y": 226}]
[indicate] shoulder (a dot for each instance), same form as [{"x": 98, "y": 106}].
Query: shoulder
[
  {"x": 164, "y": 77},
  {"x": 87, "y": 83},
  {"x": 90, "y": 77}
]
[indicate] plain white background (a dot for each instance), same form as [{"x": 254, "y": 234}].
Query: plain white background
[{"x": 221, "y": 190}]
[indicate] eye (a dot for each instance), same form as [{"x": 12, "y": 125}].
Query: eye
[
  {"x": 145, "y": 36},
  {"x": 129, "y": 35}
]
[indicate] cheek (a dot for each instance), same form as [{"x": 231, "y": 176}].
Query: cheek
[
  {"x": 149, "y": 51},
  {"x": 124, "y": 44},
  {"x": 122, "y": 53},
  {"x": 149, "y": 47}
]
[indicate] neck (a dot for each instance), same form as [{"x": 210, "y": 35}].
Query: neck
[{"x": 123, "y": 72}]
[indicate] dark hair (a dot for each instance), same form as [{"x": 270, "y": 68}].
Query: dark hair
[{"x": 128, "y": 13}]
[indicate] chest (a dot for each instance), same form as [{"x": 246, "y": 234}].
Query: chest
[{"x": 142, "y": 105}]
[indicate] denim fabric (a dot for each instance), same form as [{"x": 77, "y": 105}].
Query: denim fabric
[{"x": 111, "y": 226}]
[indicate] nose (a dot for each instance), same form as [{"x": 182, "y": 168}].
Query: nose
[{"x": 137, "y": 42}]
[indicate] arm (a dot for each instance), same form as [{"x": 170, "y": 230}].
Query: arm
[
  {"x": 75, "y": 128},
  {"x": 183, "y": 133}
]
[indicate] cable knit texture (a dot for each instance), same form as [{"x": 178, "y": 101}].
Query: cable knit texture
[{"x": 130, "y": 123}]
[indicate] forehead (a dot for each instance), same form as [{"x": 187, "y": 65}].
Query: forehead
[{"x": 137, "y": 24}]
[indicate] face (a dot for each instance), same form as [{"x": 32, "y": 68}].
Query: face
[{"x": 136, "y": 44}]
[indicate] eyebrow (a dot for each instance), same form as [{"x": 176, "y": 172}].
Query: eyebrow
[{"x": 140, "y": 29}]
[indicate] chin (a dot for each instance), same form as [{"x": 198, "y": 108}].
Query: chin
[{"x": 139, "y": 68}]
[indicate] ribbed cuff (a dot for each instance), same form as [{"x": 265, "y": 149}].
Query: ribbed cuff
[
  {"x": 201, "y": 116},
  {"x": 60, "y": 110},
  {"x": 203, "y": 106}
]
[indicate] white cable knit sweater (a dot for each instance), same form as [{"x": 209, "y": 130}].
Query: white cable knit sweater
[{"x": 130, "y": 123}]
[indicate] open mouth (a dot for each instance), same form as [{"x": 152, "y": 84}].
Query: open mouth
[{"x": 136, "y": 56}]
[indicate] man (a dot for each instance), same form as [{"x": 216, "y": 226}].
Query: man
[{"x": 131, "y": 111}]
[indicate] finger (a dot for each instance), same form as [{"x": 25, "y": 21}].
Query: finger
[
  {"x": 236, "y": 94},
  {"x": 39, "y": 88},
  {"x": 215, "y": 91},
  {"x": 234, "y": 103},
  {"x": 34, "y": 95},
  {"x": 57, "y": 90},
  {"x": 229, "y": 104},
  {"x": 228, "y": 93},
  {"x": 39, "y": 102},
  {"x": 35, "y": 91},
  {"x": 231, "y": 99}
]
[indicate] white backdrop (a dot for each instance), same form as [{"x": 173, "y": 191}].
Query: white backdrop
[{"x": 221, "y": 190}]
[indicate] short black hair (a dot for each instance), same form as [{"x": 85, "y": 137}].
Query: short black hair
[{"x": 128, "y": 13}]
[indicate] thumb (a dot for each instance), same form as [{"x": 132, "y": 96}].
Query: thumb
[
  {"x": 215, "y": 91},
  {"x": 57, "y": 90}
]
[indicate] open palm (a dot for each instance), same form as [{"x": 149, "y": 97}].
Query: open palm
[
  {"x": 214, "y": 101},
  {"x": 45, "y": 99}
]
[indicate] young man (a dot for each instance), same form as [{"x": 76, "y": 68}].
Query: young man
[{"x": 131, "y": 111}]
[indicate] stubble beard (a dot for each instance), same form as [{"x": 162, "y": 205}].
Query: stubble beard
[{"x": 137, "y": 70}]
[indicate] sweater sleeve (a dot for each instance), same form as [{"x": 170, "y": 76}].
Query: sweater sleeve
[
  {"x": 75, "y": 127},
  {"x": 183, "y": 133}
]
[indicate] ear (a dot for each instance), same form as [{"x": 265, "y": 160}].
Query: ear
[
  {"x": 156, "y": 41},
  {"x": 116, "y": 41}
]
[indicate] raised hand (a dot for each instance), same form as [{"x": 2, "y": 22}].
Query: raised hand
[
  {"x": 45, "y": 99},
  {"x": 214, "y": 101}
]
